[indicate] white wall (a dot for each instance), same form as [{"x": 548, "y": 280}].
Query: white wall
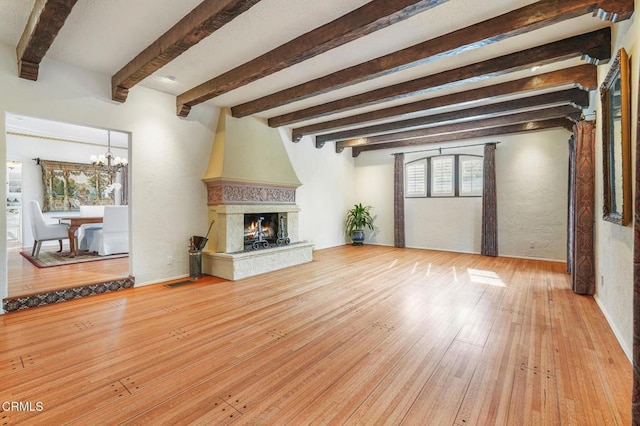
[
  {"x": 531, "y": 175},
  {"x": 327, "y": 190},
  {"x": 614, "y": 243},
  {"x": 532, "y": 179},
  {"x": 169, "y": 156}
]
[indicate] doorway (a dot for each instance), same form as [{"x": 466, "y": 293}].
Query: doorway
[{"x": 31, "y": 141}]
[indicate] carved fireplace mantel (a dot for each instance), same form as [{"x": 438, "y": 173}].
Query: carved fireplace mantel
[{"x": 229, "y": 192}]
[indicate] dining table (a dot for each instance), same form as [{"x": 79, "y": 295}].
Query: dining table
[{"x": 74, "y": 223}]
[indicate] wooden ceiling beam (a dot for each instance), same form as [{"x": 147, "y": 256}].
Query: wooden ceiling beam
[
  {"x": 595, "y": 47},
  {"x": 576, "y": 97},
  {"x": 520, "y": 21},
  {"x": 45, "y": 21},
  {"x": 532, "y": 126},
  {"x": 201, "y": 22},
  {"x": 583, "y": 76},
  {"x": 375, "y": 15},
  {"x": 567, "y": 111}
]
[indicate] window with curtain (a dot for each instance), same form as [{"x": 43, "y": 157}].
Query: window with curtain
[
  {"x": 470, "y": 175},
  {"x": 444, "y": 176}
]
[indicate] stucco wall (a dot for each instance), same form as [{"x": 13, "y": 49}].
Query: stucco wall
[
  {"x": 532, "y": 179},
  {"x": 614, "y": 243},
  {"x": 326, "y": 193},
  {"x": 531, "y": 173}
]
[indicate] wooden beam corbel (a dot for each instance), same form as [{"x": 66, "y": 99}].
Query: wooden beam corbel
[
  {"x": 596, "y": 44},
  {"x": 201, "y": 22},
  {"x": 375, "y": 15},
  {"x": 45, "y": 21}
]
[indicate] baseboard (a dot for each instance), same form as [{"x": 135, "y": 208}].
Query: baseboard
[
  {"x": 627, "y": 351},
  {"x": 441, "y": 249}
]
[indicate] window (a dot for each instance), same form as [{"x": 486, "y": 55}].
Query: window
[
  {"x": 470, "y": 175},
  {"x": 444, "y": 176},
  {"x": 416, "y": 179}
]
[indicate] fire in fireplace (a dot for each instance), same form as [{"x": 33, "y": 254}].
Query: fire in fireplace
[
  {"x": 264, "y": 230},
  {"x": 269, "y": 225}
]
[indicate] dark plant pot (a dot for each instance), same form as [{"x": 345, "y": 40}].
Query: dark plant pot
[{"x": 357, "y": 237}]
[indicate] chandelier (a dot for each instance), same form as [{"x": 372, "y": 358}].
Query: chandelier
[{"x": 108, "y": 160}]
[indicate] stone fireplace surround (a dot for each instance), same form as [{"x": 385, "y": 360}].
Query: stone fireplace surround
[{"x": 228, "y": 203}]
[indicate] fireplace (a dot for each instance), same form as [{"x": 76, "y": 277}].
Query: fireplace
[
  {"x": 226, "y": 256},
  {"x": 239, "y": 194}
]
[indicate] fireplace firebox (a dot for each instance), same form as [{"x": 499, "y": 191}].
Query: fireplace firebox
[{"x": 264, "y": 230}]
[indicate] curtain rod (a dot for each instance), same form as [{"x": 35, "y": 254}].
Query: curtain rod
[{"x": 446, "y": 147}]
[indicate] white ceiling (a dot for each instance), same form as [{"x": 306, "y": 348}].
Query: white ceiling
[{"x": 103, "y": 36}]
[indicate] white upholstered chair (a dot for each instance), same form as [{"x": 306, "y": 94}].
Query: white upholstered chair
[
  {"x": 86, "y": 231},
  {"x": 43, "y": 231},
  {"x": 114, "y": 236}
]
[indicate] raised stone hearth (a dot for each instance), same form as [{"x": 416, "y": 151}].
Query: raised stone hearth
[{"x": 235, "y": 266}]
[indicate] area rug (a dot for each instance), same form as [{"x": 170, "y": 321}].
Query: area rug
[{"x": 48, "y": 259}]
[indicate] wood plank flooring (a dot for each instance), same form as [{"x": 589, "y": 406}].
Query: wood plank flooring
[
  {"x": 25, "y": 278},
  {"x": 361, "y": 335}
]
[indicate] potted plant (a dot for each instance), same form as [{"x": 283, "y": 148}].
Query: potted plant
[{"x": 357, "y": 218}]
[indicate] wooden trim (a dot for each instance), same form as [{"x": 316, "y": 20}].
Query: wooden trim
[
  {"x": 576, "y": 97},
  {"x": 468, "y": 134},
  {"x": 531, "y": 17},
  {"x": 201, "y": 22},
  {"x": 46, "y": 19},
  {"x": 371, "y": 17},
  {"x": 595, "y": 45},
  {"x": 619, "y": 67}
]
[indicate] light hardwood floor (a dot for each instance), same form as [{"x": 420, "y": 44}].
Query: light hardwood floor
[
  {"x": 25, "y": 278},
  {"x": 361, "y": 335}
]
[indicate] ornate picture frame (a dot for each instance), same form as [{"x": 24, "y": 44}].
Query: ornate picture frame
[{"x": 616, "y": 141}]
